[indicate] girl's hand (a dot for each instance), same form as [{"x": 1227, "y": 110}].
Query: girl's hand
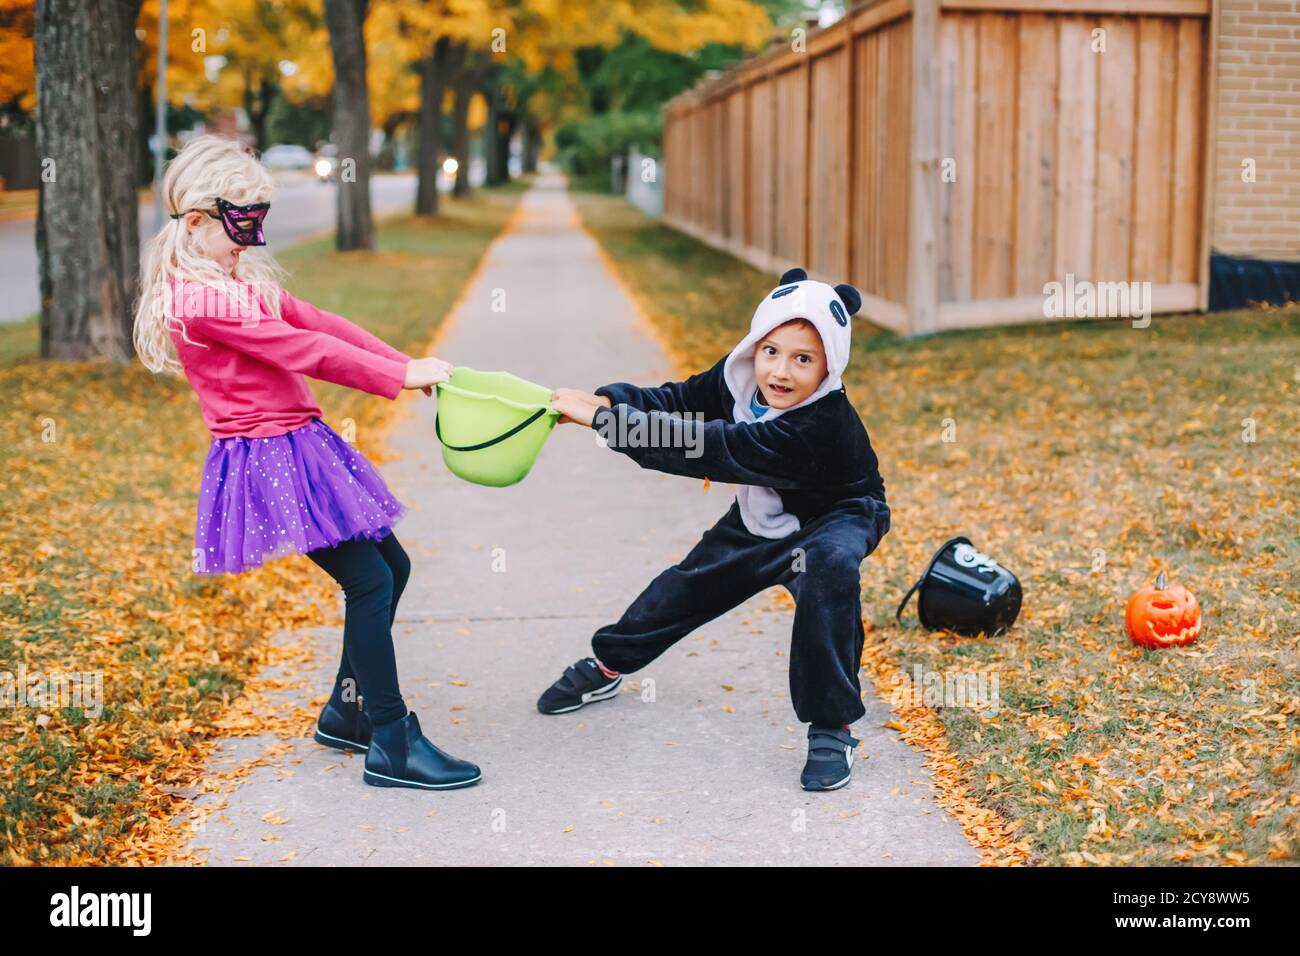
[{"x": 424, "y": 373}]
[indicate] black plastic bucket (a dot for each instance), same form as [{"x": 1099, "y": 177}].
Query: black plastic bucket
[{"x": 966, "y": 591}]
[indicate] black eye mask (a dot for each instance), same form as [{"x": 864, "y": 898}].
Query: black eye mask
[{"x": 243, "y": 224}]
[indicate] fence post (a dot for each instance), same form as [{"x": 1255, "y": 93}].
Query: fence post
[
  {"x": 1209, "y": 143},
  {"x": 747, "y": 186},
  {"x": 852, "y": 224},
  {"x": 923, "y": 207},
  {"x": 805, "y": 256}
]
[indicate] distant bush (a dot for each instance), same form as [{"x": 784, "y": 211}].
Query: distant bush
[{"x": 584, "y": 147}]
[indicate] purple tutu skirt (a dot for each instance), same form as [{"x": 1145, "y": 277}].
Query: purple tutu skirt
[{"x": 263, "y": 498}]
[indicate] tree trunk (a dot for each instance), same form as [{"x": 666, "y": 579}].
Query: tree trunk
[
  {"x": 532, "y": 144},
  {"x": 489, "y": 136},
  {"x": 257, "y": 104},
  {"x": 500, "y": 127},
  {"x": 433, "y": 71},
  {"x": 87, "y": 221},
  {"x": 467, "y": 83},
  {"x": 345, "y": 19},
  {"x": 506, "y": 127}
]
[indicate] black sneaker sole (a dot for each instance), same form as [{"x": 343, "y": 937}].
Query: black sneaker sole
[
  {"x": 380, "y": 780},
  {"x": 338, "y": 743},
  {"x": 591, "y": 697},
  {"x": 833, "y": 786}
]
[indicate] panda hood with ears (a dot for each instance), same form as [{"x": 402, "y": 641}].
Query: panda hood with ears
[
  {"x": 828, "y": 309},
  {"x": 797, "y": 297}
]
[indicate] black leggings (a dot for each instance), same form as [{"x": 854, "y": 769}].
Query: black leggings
[{"x": 372, "y": 575}]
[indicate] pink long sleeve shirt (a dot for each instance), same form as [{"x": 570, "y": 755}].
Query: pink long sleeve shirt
[{"x": 248, "y": 367}]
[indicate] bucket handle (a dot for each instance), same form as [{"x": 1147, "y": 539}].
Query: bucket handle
[
  {"x": 898, "y": 615},
  {"x": 491, "y": 441}
]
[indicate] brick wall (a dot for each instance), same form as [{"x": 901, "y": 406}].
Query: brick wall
[{"x": 1258, "y": 118}]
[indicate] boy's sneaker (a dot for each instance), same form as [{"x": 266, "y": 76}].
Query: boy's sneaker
[
  {"x": 830, "y": 758},
  {"x": 583, "y": 683}
]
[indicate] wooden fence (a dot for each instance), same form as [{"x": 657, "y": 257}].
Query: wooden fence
[{"x": 951, "y": 158}]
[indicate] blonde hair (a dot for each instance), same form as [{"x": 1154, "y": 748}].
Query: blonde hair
[{"x": 205, "y": 168}]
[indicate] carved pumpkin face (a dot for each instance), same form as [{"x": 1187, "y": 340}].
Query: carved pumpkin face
[{"x": 1163, "y": 616}]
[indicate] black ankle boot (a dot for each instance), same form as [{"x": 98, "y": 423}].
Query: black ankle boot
[
  {"x": 400, "y": 756},
  {"x": 344, "y": 726}
]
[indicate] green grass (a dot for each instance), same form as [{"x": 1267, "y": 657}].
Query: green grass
[
  {"x": 1088, "y": 455},
  {"x": 19, "y": 340}
]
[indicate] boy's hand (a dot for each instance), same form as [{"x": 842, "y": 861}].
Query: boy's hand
[
  {"x": 588, "y": 397},
  {"x": 575, "y": 406}
]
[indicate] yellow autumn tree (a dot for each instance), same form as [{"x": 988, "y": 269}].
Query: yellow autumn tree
[
  {"x": 240, "y": 54},
  {"x": 188, "y": 79},
  {"x": 18, "y": 78},
  {"x": 553, "y": 30}
]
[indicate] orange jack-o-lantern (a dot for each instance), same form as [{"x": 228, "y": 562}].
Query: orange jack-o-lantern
[{"x": 1163, "y": 616}]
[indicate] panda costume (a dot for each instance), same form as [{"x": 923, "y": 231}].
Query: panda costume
[{"x": 810, "y": 507}]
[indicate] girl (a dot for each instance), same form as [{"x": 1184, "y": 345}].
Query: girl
[{"x": 277, "y": 479}]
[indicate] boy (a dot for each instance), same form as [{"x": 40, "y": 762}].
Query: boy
[{"x": 773, "y": 418}]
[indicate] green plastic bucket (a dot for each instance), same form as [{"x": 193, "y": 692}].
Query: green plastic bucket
[{"x": 492, "y": 425}]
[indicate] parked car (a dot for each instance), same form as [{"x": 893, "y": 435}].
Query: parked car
[{"x": 285, "y": 156}]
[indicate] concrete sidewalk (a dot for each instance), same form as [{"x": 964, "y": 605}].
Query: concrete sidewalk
[{"x": 704, "y": 770}]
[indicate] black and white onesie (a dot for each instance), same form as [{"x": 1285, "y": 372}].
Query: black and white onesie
[{"x": 811, "y": 506}]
